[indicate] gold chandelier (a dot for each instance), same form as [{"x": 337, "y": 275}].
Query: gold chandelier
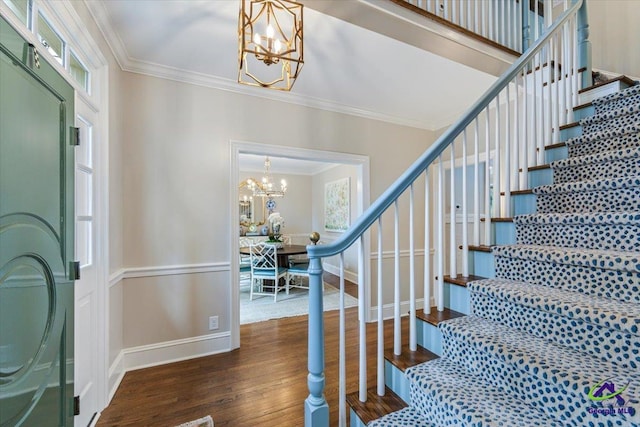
[
  {"x": 266, "y": 188},
  {"x": 270, "y": 33}
]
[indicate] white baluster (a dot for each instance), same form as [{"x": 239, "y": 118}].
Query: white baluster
[
  {"x": 496, "y": 164},
  {"x": 476, "y": 183},
  {"x": 397, "y": 327},
  {"x": 427, "y": 242},
  {"x": 413, "y": 342},
  {"x": 507, "y": 157},
  {"x": 487, "y": 178},
  {"x": 440, "y": 234},
  {"x": 453, "y": 272},
  {"x": 380, "y": 359},
  {"x": 362, "y": 392},
  {"x": 342, "y": 370},
  {"x": 465, "y": 210}
]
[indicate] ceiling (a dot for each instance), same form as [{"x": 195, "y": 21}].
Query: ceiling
[{"x": 348, "y": 68}]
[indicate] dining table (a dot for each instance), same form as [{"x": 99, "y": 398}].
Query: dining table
[{"x": 283, "y": 253}]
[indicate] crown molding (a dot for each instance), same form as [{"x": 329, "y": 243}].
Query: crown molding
[{"x": 101, "y": 16}]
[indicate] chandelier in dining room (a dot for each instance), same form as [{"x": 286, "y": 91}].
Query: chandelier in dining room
[{"x": 266, "y": 187}]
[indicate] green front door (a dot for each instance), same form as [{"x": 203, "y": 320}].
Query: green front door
[{"x": 36, "y": 238}]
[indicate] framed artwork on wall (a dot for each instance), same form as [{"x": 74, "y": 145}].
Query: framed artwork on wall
[{"x": 336, "y": 205}]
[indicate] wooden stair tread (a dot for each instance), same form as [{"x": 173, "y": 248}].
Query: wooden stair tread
[
  {"x": 436, "y": 316},
  {"x": 519, "y": 192},
  {"x": 539, "y": 167},
  {"x": 581, "y": 106},
  {"x": 556, "y": 145},
  {"x": 375, "y": 406},
  {"x": 461, "y": 280},
  {"x": 569, "y": 125},
  {"x": 480, "y": 248},
  {"x": 409, "y": 358},
  {"x": 501, "y": 219},
  {"x": 623, "y": 79}
]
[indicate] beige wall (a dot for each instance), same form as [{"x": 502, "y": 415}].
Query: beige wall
[
  {"x": 614, "y": 33},
  {"x": 176, "y": 145}
]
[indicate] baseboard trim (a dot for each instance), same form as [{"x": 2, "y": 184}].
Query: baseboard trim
[
  {"x": 174, "y": 351},
  {"x": 351, "y": 276},
  {"x": 115, "y": 376}
]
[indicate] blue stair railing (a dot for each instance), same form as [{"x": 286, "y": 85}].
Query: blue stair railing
[{"x": 501, "y": 136}]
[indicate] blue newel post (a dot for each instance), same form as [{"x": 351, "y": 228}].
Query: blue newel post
[
  {"x": 316, "y": 409},
  {"x": 584, "y": 46}
]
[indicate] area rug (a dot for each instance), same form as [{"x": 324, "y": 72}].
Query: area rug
[
  {"x": 295, "y": 304},
  {"x": 201, "y": 422}
]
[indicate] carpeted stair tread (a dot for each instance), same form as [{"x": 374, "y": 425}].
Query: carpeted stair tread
[
  {"x": 589, "y": 185},
  {"x": 622, "y": 316},
  {"x": 605, "y": 134},
  {"x": 589, "y": 230},
  {"x": 447, "y": 394},
  {"x": 608, "y": 260},
  {"x": 632, "y": 107},
  {"x": 549, "y": 376},
  {"x": 556, "y": 363},
  {"x": 610, "y": 274},
  {"x": 624, "y": 93},
  {"x": 580, "y": 146},
  {"x": 602, "y": 195},
  {"x": 625, "y": 123},
  {"x": 408, "y": 416},
  {"x": 606, "y": 156},
  {"x": 594, "y": 218},
  {"x": 617, "y": 164}
]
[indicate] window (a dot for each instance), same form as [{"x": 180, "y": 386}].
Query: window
[
  {"x": 50, "y": 39},
  {"x": 20, "y": 8},
  {"x": 30, "y": 13},
  {"x": 78, "y": 71}
]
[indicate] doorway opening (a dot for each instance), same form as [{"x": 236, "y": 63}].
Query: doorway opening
[{"x": 304, "y": 199}]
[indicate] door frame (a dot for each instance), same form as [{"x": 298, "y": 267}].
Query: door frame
[{"x": 362, "y": 203}]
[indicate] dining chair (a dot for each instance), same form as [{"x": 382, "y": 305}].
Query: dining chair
[
  {"x": 245, "y": 261},
  {"x": 297, "y": 272},
  {"x": 264, "y": 266}
]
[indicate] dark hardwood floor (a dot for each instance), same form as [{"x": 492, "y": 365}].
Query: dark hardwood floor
[{"x": 263, "y": 383}]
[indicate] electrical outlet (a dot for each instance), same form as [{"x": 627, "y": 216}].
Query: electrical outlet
[{"x": 213, "y": 323}]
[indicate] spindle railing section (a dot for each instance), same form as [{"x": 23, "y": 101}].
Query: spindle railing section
[
  {"x": 509, "y": 23},
  {"x": 478, "y": 161}
]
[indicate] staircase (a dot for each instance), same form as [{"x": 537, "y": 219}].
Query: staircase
[
  {"x": 531, "y": 210},
  {"x": 554, "y": 338}
]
